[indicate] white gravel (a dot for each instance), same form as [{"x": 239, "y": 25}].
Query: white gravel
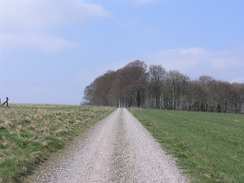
[{"x": 117, "y": 149}]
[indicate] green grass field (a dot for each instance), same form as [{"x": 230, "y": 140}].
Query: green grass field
[
  {"x": 209, "y": 147},
  {"x": 30, "y": 133}
]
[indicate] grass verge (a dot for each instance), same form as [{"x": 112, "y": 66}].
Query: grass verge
[
  {"x": 29, "y": 133},
  {"x": 209, "y": 147}
]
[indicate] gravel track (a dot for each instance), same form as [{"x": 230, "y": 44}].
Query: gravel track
[{"x": 117, "y": 149}]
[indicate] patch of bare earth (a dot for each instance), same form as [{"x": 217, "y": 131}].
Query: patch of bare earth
[{"x": 117, "y": 149}]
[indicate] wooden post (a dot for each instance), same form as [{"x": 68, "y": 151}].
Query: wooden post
[{"x": 6, "y": 102}]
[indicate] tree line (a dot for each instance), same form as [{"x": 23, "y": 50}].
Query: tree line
[{"x": 138, "y": 85}]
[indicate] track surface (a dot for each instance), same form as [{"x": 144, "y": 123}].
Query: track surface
[{"x": 117, "y": 149}]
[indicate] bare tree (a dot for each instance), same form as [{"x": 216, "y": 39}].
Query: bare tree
[
  {"x": 97, "y": 93},
  {"x": 177, "y": 83},
  {"x": 157, "y": 76},
  {"x": 130, "y": 84}
]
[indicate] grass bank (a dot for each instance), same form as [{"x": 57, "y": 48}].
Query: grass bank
[
  {"x": 29, "y": 133},
  {"x": 208, "y": 146}
]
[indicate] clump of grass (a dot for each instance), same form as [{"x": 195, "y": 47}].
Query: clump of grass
[
  {"x": 2, "y": 126},
  {"x": 7, "y": 124},
  {"x": 1, "y": 120},
  {"x": 208, "y": 146},
  {"x": 61, "y": 131},
  {"x": 29, "y": 133},
  {"x": 44, "y": 144},
  {"x": 4, "y": 144},
  {"x": 32, "y": 127}
]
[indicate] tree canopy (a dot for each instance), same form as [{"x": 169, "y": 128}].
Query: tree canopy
[{"x": 138, "y": 85}]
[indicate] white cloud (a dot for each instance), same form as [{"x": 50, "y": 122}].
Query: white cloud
[
  {"x": 37, "y": 17},
  {"x": 194, "y": 62},
  {"x": 223, "y": 65},
  {"x": 144, "y": 1},
  {"x": 43, "y": 14},
  {"x": 43, "y": 42},
  {"x": 139, "y": 1}
]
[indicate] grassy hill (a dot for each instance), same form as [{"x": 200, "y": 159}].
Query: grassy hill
[
  {"x": 29, "y": 133},
  {"x": 208, "y": 146}
]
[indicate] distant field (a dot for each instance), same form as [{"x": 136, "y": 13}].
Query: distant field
[
  {"x": 208, "y": 146},
  {"x": 29, "y": 133}
]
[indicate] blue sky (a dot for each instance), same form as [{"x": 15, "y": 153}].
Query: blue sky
[{"x": 51, "y": 49}]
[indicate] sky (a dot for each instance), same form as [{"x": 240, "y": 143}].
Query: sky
[{"x": 50, "y": 50}]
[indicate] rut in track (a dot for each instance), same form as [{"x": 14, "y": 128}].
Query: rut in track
[{"x": 117, "y": 149}]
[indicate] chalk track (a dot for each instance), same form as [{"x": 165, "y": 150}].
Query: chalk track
[{"x": 117, "y": 149}]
